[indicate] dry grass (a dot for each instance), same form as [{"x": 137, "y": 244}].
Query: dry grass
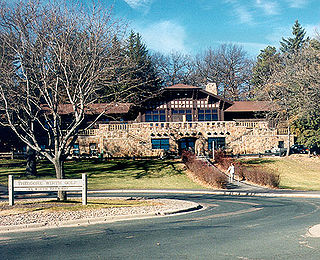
[
  {"x": 70, "y": 205},
  {"x": 297, "y": 172}
]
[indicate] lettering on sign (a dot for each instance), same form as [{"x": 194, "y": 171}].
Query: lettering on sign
[
  {"x": 25, "y": 183},
  {"x": 48, "y": 185},
  {"x": 48, "y": 188}
]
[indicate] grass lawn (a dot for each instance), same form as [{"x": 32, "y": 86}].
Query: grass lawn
[
  {"x": 296, "y": 172},
  {"x": 116, "y": 174}
]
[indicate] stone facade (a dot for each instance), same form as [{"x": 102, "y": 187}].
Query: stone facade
[
  {"x": 135, "y": 139},
  {"x": 184, "y": 117}
]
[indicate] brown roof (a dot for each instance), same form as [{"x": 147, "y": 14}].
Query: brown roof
[
  {"x": 184, "y": 86},
  {"x": 249, "y": 106},
  {"x": 181, "y": 86},
  {"x": 94, "y": 109}
]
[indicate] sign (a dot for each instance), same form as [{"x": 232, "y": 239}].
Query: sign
[{"x": 48, "y": 185}]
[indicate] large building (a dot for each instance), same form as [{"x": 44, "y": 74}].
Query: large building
[{"x": 182, "y": 117}]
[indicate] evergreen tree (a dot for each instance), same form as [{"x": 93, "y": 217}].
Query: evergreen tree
[
  {"x": 143, "y": 75},
  {"x": 267, "y": 63},
  {"x": 292, "y": 45},
  {"x": 307, "y": 130}
]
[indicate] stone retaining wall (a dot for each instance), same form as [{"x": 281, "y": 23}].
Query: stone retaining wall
[{"x": 134, "y": 139}]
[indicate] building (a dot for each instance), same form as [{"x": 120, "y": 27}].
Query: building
[{"x": 182, "y": 117}]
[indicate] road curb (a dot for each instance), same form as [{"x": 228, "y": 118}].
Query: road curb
[
  {"x": 226, "y": 193},
  {"x": 98, "y": 220}
]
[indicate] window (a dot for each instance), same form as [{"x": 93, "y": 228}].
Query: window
[
  {"x": 93, "y": 148},
  {"x": 187, "y": 112},
  {"x": 76, "y": 150},
  {"x": 155, "y": 115},
  {"x": 281, "y": 144},
  {"x": 219, "y": 142},
  {"x": 207, "y": 115},
  {"x": 162, "y": 143}
]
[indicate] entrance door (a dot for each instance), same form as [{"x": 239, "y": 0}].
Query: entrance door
[{"x": 186, "y": 143}]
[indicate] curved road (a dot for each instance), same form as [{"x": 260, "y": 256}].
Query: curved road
[{"x": 228, "y": 228}]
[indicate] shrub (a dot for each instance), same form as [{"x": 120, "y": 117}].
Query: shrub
[
  {"x": 256, "y": 174},
  {"x": 203, "y": 171},
  {"x": 261, "y": 176},
  {"x": 223, "y": 161}
]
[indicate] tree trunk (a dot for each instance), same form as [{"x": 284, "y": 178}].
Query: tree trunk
[
  {"x": 59, "y": 167},
  {"x": 289, "y": 135},
  {"x": 31, "y": 167}
]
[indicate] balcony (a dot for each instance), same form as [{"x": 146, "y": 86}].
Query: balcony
[
  {"x": 204, "y": 125},
  {"x": 88, "y": 132}
]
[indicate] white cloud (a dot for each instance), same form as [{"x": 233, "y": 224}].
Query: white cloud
[
  {"x": 244, "y": 15},
  {"x": 286, "y": 31},
  {"x": 241, "y": 11},
  {"x": 312, "y": 29},
  {"x": 164, "y": 36},
  {"x": 277, "y": 33},
  {"x": 297, "y": 3},
  {"x": 269, "y": 7},
  {"x": 138, "y": 3}
]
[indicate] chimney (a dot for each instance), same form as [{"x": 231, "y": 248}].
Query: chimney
[{"x": 212, "y": 88}]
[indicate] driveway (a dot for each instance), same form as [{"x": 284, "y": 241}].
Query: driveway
[{"x": 230, "y": 227}]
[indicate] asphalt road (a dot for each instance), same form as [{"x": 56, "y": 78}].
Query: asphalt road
[{"x": 229, "y": 228}]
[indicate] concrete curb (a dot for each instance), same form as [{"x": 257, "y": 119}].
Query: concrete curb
[
  {"x": 314, "y": 231},
  {"x": 99, "y": 220},
  {"x": 226, "y": 193}
]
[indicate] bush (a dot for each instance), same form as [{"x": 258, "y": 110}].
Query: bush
[
  {"x": 204, "y": 172},
  {"x": 256, "y": 174},
  {"x": 223, "y": 161},
  {"x": 261, "y": 176}
]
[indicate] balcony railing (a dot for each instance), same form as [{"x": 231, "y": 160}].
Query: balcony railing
[
  {"x": 209, "y": 125},
  {"x": 282, "y": 131},
  {"x": 89, "y": 132}
]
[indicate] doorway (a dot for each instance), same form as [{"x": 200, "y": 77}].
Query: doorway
[{"x": 186, "y": 143}]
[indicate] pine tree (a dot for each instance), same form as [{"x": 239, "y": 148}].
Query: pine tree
[
  {"x": 292, "y": 45},
  {"x": 143, "y": 74},
  {"x": 267, "y": 62}
]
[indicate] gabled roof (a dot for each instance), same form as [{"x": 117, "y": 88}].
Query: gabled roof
[
  {"x": 249, "y": 106},
  {"x": 189, "y": 87},
  {"x": 181, "y": 86}
]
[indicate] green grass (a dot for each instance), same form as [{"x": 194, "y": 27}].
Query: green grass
[
  {"x": 116, "y": 174},
  {"x": 296, "y": 172}
]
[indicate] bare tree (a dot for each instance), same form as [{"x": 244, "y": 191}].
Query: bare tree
[
  {"x": 174, "y": 68},
  {"x": 293, "y": 87},
  {"x": 230, "y": 67},
  {"x": 55, "y": 58}
]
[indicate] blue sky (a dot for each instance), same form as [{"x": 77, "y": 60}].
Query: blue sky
[{"x": 190, "y": 26}]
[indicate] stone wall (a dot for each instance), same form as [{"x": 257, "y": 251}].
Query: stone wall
[{"x": 135, "y": 139}]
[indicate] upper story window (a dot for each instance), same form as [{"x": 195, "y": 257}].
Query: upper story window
[
  {"x": 155, "y": 115},
  {"x": 186, "y": 112},
  {"x": 207, "y": 114}
]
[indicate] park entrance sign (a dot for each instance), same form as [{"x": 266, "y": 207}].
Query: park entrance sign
[{"x": 48, "y": 185}]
